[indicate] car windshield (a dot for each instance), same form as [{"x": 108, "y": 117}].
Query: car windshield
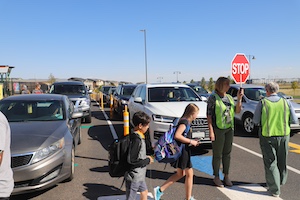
[
  {"x": 164, "y": 94},
  {"x": 127, "y": 90},
  {"x": 18, "y": 111},
  {"x": 68, "y": 89},
  {"x": 255, "y": 94},
  {"x": 200, "y": 90}
]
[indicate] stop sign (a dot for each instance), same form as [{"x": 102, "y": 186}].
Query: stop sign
[{"x": 240, "y": 68}]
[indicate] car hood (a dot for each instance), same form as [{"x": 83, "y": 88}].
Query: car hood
[
  {"x": 30, "y": 136},
  {"x": 175, "y": 109},
  {"x": 76, "y": 96}
]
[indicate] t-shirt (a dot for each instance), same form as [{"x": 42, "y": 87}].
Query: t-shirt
[
  {"x": 37, "y": 91},
  {"x": 6, "y": 174}
]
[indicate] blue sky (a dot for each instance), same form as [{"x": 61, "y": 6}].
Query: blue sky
[{"x": 102, "y": 39}]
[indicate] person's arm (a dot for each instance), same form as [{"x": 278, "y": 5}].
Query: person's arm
[
  {"x": 134, "y": 151},
  {"x": 210, "y": 128},
  {"x": 257, "y": 114},
  {"x": 209, "y": 112},
  {"x": 238, "y": 106},
  {"x": 1, "y": 156},
  {"x": 179, "y": 136}
]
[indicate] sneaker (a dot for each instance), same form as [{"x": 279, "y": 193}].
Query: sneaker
[
  {"x": 157, "y": 193},
  {"x": 192, "y": 198},
  {"x": 218, "y": 182},
  {"x": 228, "y": 182},
  {"x": 275, "y": 195}
]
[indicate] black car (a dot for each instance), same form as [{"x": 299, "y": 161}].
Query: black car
[
  {"x": 77, "y": 93},
  {"x": 203, "y": 93},
  {"x": 106, "y": 93},
  {"x": 121, "y": 97}
]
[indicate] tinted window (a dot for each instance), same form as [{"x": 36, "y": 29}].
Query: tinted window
[
  {"x": 164, "y": 94},
  {"x": 68, "y": 89},
  {"x": 255, "y": 93},
  {"x": 127, "y": 90}
]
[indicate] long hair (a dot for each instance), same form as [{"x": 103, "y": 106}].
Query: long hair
[
  {"x": 190, "y": 110},
  {"x": 220, "y": 83}
]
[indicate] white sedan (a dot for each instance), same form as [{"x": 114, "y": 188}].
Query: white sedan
[{"x": 165, "y": 104}]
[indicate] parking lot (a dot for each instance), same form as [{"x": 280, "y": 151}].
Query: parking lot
[{"x": 92, "y": 181}]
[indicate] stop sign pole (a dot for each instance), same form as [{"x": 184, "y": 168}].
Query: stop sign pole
[{"x": 240, "y": 68}]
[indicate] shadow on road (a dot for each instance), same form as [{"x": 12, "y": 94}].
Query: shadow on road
[{"x": 93, "y": 190}]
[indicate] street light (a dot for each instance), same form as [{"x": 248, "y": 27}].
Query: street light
[
  {"x": 144, "y": 30},
  {"x": 250, "y": 57},
  {"x": 177, "y": 72}
]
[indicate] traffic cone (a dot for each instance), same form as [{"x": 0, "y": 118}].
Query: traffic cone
[
  {"x": 111, "y": 107},
  {"x": 126, "y": 121}
]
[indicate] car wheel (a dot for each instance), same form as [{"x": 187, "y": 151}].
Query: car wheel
[
  {"x": 72, "y": 167},
  {"x": 79, "y": 136},
  {"x": 88, "y": 119},
  {"x": 248, "y": 124}
]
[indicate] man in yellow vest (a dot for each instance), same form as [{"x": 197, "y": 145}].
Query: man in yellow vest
[{"x": 274, "y": 115}]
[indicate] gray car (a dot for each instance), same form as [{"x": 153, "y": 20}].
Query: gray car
[
  {"x": 77, "y": 93},
  {"x": 253, "y": 93},
  {"x": 45, "y": 131}
]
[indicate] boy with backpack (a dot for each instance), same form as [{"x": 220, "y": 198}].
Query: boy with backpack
[{"x": 135, "y": 177}]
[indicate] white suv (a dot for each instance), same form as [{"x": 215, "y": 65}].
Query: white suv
[{"x": 165, "y": 104}]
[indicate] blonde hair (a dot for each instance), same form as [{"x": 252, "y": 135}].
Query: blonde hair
[
  {"x": 190, "y": 110},
  {"x": 220, "y": 83}
]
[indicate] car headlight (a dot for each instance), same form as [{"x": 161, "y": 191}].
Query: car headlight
[
  {"x": 165, "y": 119},
  {"x": 85, "y": 102},
  {"x": 124, "y": 102},
  {"x": 48, "y": 151}
]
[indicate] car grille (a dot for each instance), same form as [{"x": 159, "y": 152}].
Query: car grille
[
  {"x": 17, "y": 161},
  {"x": 74, "y": 102},
  {"x": 199, "y": 124}
]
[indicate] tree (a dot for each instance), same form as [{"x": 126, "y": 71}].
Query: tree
[
  {"x": 294, "y": 86},
  {"x": 192, "y": 81},
  {"x": 231, "y": 80},
  {"x": 203, "y": 83},
  {"x": 211, "y": 86},
  {"x": 51, "y": 78}
]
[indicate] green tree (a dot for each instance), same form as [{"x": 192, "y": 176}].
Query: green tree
[
  {"x": 51, "y": 78},
  {"x": 203, "y": 83},
  {"x": 211, "y": 85},
  {"x": 192, "y": 81},
  {"x": 231, "y": 80},
  {"x": 294, "y": 86}
]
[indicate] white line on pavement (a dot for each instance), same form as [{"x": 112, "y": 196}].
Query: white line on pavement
[
  {"x": 113, "y": 131},
  {"x": 259, "y": 155}
]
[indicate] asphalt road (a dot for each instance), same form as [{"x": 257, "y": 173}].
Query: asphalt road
[{"x": 92, "y": 180}]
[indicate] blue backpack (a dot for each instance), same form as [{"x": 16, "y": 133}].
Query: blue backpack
[{"x": 167, "y": 149}]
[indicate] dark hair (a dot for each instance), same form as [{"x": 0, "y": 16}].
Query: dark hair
[
  {"x": 140, "y": 118},
  {"x": 220, "y": 83}
]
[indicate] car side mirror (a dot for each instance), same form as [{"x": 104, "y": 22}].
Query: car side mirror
[
  {"x": 90, "y": 91},
  {"x": 77, "y": 114},
  {"x": 138, "y": 100}
]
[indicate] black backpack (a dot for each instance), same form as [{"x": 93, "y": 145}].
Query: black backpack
[{"x": 118, "y": 158}]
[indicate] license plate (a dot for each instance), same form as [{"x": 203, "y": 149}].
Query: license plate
[{"x": 198, "y": 135}]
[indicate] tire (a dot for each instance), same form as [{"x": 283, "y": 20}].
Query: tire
[
  {"x": 72, "y": 167},
  {"x": 80, "y": 136},
  {"x": 88, "y": 119},
  {"x": 248, "y": 124}
]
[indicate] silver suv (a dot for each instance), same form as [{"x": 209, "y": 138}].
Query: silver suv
[
  {"x": 253, "y": 93},
  {"x": 78, "y": 94}
]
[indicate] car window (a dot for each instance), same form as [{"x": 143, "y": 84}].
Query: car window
[
  {"x": 164, "y": 94},
  {"x": 255, "y": 94},
  {"x": 127, "y": 90},
  {"x": 143, "y": 93},
  {"x": 137, "y": 91},
  {"x": 232, "y": 91},
  {"x": 17, "y": 111},
  {"x": 68, "y": 89}
]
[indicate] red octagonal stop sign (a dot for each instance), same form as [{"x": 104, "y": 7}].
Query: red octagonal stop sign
[{"x": 240, "y": 68}]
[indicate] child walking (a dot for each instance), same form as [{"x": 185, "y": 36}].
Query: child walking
[
  {"x": 183, "y": 165},
  {"x": 135, "y": 177}
]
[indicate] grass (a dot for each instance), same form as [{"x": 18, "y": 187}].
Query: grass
[{"x": 286, "y": 88}]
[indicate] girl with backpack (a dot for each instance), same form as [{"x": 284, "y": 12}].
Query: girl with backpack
[{"x": 183, "y": 165}]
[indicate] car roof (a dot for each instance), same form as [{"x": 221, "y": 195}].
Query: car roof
[
  {"x": 29, "y": 97},
  {"x": 246, "y": 86},
  {"x": 68, "y": 83},
  {"x": 154, "y": 85},
  {"x": 125, "y": 85}
]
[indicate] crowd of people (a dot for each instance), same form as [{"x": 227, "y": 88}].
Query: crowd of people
[{"x": 273, "y": 116}]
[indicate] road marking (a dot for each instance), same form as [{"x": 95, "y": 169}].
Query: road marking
[
  {"x": 204, "y": 164},
  {"x": 249, "y": 191},
  {"x": 259, "y": 155},
  {"x": 113, "y": 131},
  {"x": 295, "y": 146},
  {"x": 86, "y": 127},
  {"x": 123, "y": 197}
]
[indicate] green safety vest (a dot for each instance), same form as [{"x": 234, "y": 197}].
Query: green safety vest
[
  {"x": 220, "y": 111},
  {"x": 272, "y": 116}
]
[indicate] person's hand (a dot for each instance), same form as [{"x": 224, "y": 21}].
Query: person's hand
[
  {"x": 240, "y": 94},
  {"x": 151, "y": 158},
  {"x": 194, "y": 143},
  {"x": 212, "y": 136}
]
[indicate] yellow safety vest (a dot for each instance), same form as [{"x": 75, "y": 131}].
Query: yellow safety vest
[
  {"x": 275, "y": 118},
  {"x": 222, "y": 114}
]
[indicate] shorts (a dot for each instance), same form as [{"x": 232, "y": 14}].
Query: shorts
[{"x": 133, "y": 187}]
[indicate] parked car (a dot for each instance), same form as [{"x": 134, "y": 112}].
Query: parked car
[
  {"x": 109, "y": 93},
  {"x": 203, "y": 93},
  {"x": 285, "y": 96},
  {"x": 252, "y": 95},
  {"x": 78, "y": 94},
  {"x": 165, "y": 104},
  {"x": 105, "y": 90},
  {"x": 45, "y": 130},
  {"x": 121, "y": 97}
]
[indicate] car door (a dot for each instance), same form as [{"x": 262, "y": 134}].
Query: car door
[
  {"x": 132, "y": 105},
  {"x": 73, "y": 124}
]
